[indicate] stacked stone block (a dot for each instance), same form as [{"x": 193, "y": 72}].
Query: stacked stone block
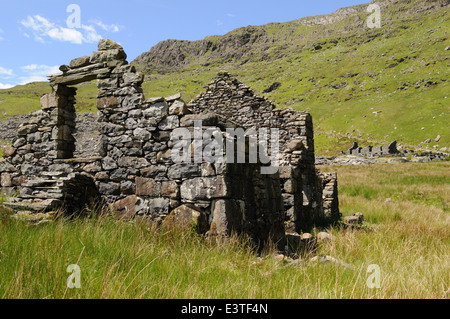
[
  {"x": 32, "y": 163},
  {"x": 301, "y": 185},
  {"x": 330, "y": 197},
  {"x": 134, "y": 170}
]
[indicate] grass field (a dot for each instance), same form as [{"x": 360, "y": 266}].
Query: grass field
[{"x": 409, "y": 240}]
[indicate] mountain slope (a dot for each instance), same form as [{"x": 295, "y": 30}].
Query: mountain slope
[
  {"x": 373, "y": 85},
  {"x": 370, "y": 85}
]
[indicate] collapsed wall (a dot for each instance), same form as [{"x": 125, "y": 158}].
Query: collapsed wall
[
  {"x": 302, "y": 186},
  {"x": 135, "y": 172},
  {"x": 371, "y": 151}
]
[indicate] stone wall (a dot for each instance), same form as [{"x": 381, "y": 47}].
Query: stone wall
[
  {"x": 371, "y": 151},
  {"x": 134, "y": 171},
  {"x": 301, "y": 184}
]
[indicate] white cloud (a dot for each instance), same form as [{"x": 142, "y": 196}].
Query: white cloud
[
  {"x": 42, "y": 68},
  {"x": 31, "y": 79},
  {"x": 109, "y": 28},
  {"x": 1, "y": 38},
  {"x": 91, "y": 35},
  {"x": 219, "y": 22},
  {"x": 231, "y": 15},
  {"x": 4, "y": 71},
  {"x": 37, "y": 73},
  {"x": 65, "y": 34},
  {"x": 28, "y": 73},
  {"x": 42, "y": 28},
  {"x": 5, "y": 86}
]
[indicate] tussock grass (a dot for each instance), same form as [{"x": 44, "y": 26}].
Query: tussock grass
[{"x": 408, "y": 237}]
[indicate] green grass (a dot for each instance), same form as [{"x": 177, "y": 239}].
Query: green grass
[
  {"x": 23, "y": 99},
  {"x": 409, "y": 240}
]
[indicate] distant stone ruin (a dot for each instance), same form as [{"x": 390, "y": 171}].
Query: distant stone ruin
[
  {"x": 369, "y": 151},
  {"x": 134, "y": 172}
]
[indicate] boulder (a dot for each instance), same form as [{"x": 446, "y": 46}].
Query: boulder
[
  {"x": 8, "y": 151},
  {"x": 324, "y": 236},
  {"x": 294, "y": 145},
  {"x": 133, "y": 78},
  {"x": 154, "y": 171},
  {"x": 52, "y": 100},
  {"x": 173, "y": 97},
  {"x": 109, "y": 188},
  {"x": 125, "y": 208},
  {"x": 227, "y": 217},
  {"x": 178, "y": 108},
  {"x": 169, "y": 123},
  {"x": 6, "y": 166},
  {"x": 135, "y": 162},
  {"x": 106, "y": 44},
  {"x": 356, "y": 219},
  {"x": 190, "y": 217},
  {"x": 107, "y": 56},
  {"x": 79, "y": 62}
]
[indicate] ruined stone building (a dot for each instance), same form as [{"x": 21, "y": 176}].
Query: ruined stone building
[{"x": 134, "y": 172}]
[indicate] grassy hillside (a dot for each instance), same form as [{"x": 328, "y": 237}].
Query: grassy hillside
[
  {"x": 23, "y": 99},
  {"x": 371, "y": 85},
  {"x": 409, "y": 240},
  {"x": 341, "y": 72}
]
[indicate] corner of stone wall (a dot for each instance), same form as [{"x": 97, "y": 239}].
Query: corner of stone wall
[{"x": 330, "y": 198}]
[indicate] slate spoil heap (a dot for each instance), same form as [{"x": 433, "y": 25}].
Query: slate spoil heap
[{"x": 134, "y": 173}]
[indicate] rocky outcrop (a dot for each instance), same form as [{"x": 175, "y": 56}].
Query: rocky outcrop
[
  {"x": 261, "y": 43},
  {"x": 172, "y": 55}
]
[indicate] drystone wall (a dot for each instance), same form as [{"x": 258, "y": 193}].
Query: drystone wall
[
  {"x": 371, "y": 151},
  {"x": 302, "y": 186},
  {"x": 134, "y": 170}
]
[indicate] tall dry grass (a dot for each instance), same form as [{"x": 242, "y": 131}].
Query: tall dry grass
[{"x": 409, "y": 240}]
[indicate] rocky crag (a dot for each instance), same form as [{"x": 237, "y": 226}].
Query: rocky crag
[{"x": 364, "y": 84}]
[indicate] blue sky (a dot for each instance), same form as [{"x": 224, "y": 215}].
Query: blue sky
[{"x": 38, "y": 36}]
